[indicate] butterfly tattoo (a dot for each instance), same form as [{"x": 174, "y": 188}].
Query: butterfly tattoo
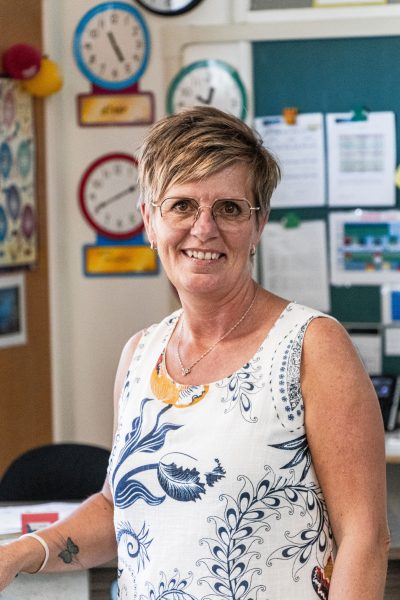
[{"x": 67, "y": 555}]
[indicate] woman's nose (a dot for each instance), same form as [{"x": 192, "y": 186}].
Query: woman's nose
[{"x": 204, "y": 221}]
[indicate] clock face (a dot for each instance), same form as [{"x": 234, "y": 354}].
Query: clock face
[
  {"x": 208, "y": 83},
  {"x": 168, "y": 7},
  {"x": 111, "y": 45},
  {"x": 108, "y": 195}
]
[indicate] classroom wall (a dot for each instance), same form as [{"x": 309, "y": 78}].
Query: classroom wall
[{"x": 93, "y": 318}]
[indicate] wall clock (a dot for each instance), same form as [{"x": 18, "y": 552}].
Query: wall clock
[
  {"x": 168, "y": 8},
  {"x": 111, "y": 45},
  {"x": 208, "y": 83},
  {"x": 108, "y": 196}
]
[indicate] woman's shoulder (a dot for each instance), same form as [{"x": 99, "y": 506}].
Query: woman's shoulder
[{"x": 290, "y": 315}]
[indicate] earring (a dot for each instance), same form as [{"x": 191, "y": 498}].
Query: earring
[
  {"x": 153, "y": 245},
  {"x": 252, "y": 250}
]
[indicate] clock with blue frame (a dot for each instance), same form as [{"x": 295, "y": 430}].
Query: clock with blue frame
[{"x": 111, "y": 45}]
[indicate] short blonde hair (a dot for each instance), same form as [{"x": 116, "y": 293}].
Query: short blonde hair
[{"x": 199, "y": 142}]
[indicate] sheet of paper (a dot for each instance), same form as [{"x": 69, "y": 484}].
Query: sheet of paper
[
  {"x": 369, "y": 347},
  {"x": 361, "y": 159},
  {"x": 299, "y": 149},
  {"x": 365, "y": 247},
  {"x": 10, "y": 516},
  {"x": 294, "y": 263},
  {"x": 392, "y": 341}
]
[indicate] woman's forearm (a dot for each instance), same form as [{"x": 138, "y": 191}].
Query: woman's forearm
[
  {"x": 84, "y": 539},
  {"x": 360, "y": 570}
]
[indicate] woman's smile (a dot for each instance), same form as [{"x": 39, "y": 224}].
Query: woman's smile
[{"x": 203, "y": 255}]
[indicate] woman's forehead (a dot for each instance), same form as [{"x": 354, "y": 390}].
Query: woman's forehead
[{"x": 232, "y": 180}]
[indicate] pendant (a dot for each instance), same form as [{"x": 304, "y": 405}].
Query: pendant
[{"x": 185, "y": 371}]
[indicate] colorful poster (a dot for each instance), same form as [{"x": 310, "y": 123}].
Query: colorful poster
[
  {"x": 365, "y": 247},
  {"x": 18, "y": 232}
]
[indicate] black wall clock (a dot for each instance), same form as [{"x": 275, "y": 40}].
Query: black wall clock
[{"x": 168, "y": 8}]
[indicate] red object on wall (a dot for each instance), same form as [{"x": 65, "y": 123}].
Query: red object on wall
[{"x": 21, "y": 61}]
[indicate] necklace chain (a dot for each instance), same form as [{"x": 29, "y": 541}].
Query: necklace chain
[{"x": 187, "y": 370}]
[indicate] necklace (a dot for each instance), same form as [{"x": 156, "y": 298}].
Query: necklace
[{"x": 187, "y": 370}]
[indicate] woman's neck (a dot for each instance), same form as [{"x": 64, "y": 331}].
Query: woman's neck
[{"x": 207, "y": 318}]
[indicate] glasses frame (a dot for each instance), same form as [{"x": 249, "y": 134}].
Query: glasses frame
[{"x": 201, "y": 207}]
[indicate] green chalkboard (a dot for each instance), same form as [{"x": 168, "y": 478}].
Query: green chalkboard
[{"x": 332, "y": 75}]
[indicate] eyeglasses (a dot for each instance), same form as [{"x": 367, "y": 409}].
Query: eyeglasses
[{"x": 181, "y": 213}]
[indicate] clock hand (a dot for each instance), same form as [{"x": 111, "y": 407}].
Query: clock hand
[
  {"x": 115, "y": 46},
  {"x": 118, "y": 196},
  {"x": 209, "y": 98}
]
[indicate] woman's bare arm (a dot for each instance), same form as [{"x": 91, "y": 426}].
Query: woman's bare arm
[
  {"x": 346, "y": 439},
  {"x": 85, "y": 538}
]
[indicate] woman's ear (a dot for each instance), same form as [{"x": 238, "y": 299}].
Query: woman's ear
[
  {"x": 260, "y": 228},
  {"x": 147, "y": 216}
]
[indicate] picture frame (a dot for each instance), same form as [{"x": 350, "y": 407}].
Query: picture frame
[{"x": 12, "y": 311}]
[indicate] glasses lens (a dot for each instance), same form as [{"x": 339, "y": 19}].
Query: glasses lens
[
  {"x": 230, "y": 211},
  {"x": 178, "y": 212}
]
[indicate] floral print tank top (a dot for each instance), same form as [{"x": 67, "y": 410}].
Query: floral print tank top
[{"x": 215, "y": 494}]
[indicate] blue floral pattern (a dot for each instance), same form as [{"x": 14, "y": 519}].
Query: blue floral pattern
[
  {"x": 246, "y": 521},
  {"x": 242, "y": 388}
]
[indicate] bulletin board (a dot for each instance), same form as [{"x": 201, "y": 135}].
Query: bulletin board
[{"x": 332, "y": 75}]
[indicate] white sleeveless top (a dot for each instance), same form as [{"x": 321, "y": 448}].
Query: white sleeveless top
[{"x": 215, "y": 494}]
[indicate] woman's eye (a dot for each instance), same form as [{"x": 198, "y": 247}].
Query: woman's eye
[
  {"x": 182, "y": 206},
  {"x": 229, "y": 208}
]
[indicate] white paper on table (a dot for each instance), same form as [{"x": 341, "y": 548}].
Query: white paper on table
[
  {"x": 369, "y": 347},
  {"x": 361, "y": 159},
  {"x": 294, "y": 263},
  {"x": 392, "y": 341},
  {"x": 364, "y": 247},
  {"x": 299, "y": 149},
  {"x": 10, "y": 516}
]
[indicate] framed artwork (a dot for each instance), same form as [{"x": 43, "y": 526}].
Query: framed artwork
[
  {"x": 12, "y": 311},
  {"x": 18, "y": 222}
]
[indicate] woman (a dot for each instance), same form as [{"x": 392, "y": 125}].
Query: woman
[{"x": 248, "y": 438}]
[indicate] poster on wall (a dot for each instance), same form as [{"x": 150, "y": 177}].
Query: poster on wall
[
  {"x": 361, "y": 159},
  {"x": 300, "y": 150},
  {"x": 365, "y": 247},
  {"x": 18, "y": 235},
  {"x": 12, "y": 311}
]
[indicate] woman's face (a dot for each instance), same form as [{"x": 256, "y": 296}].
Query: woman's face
[{"x": 202, "y": 258}]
